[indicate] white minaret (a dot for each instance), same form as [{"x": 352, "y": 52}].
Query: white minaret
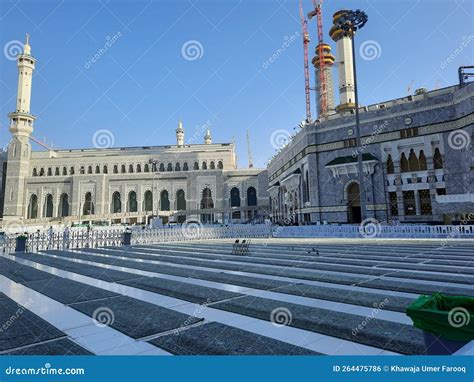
[
  {"x": 180, "y": 134},
  {"x": 207, "y": 137},
  {"x": 345, "y": 66},
  {"x": 19, "y": 148}
]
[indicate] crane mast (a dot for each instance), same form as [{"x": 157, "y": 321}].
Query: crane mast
[
  {"x": 249, "y": 150},
  {"x": 304, "y": 26},
  {"x": 323, "y": 102}
]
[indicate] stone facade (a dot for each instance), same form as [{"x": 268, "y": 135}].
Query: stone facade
[
  {"x": 179, "y": 182},
  {"x": 417, "y": 159}
]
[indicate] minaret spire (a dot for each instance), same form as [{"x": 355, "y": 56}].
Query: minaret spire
[
  {"x": 19, "y": 148},
  {"x": 180, "y": 134},
  {"x": 208, "y": 137}
]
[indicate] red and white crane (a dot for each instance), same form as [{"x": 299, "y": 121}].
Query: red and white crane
[{"x": 304, "y": 26}]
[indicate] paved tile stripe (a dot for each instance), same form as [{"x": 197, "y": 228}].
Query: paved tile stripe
[{"x": 217, "y": 339}]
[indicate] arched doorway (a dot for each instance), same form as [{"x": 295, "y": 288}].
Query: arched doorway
[
  {"x": 164, "y": 204},
  {"x": 33, "y": 207},
  {"x": 132, "y": 202},
  {"x": 251, "y": 202},
  {"x": 48, "y": 206},
  {"x": 148, "y": 201},
  {"x": 88, "y": 205},
  {"x": 207, "y": 203},
  {"x": 64, "y": 205},
  {"x": 181, "y": 205},
  {"x": 116, "y": 203},
  {"x": 235, "y": 202},
  {"x": 353, "y": 203}
]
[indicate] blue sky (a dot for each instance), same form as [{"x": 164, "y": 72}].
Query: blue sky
[{"x": 146, "y": 80}]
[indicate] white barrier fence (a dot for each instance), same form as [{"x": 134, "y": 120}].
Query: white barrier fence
[
  {"x": 375, "y": 230},
  {"x": 199, "y": 232},
  {"x": 100, "y": 237}
]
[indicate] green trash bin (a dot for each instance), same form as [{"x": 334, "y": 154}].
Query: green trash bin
[{"x": 447, "y": 321}]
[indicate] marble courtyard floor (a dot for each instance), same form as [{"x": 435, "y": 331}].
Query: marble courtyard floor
[{"x": 287, "y": 297}]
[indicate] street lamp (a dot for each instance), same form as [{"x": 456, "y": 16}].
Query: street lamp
[{"x": 350, "y": 22}]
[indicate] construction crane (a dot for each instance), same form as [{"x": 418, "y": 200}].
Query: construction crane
[
  {"x": 304, "y": 26},
  {"x": 249, "y": 150},
  {"x": 318, "y": 12}
]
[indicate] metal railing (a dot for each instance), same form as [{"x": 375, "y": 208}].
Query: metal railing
[{"x": 102, "y": 237}]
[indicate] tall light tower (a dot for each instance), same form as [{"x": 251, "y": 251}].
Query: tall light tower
[{"x": 348, "y": 22}]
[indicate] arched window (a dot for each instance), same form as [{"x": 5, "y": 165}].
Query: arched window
[
  {"x": 177, "y": 167},
  {"x": 403, "y": 163},
  {"x": 204, "y": 166},
  {"x": 132, "y": 201},
  {"x": 437, "y": 159},
  {"x": 169, "y": 167},
  {"x": 82, "y": 171},
  {"x": 390, "y": 169},
  {"x": 105, "y": 170},
  {"x": 89, "y": 170},
  {"x": 220, "y": 165},
  {"x": 422, "y": 161},
  {"x": 212, "y": 165},
  {"x": 148, "y": 201},
  {"x": 35, "y": 172},
  {"x": 124, "y": 169},
  {"x": 162, "y": 167},
  {"x": 115, "y": 169},
  {"x": 116, "y": 206},
  {"x": 41, "y": 173},
  {"x": 413, "y": 161},
  {"x": 97, "y": 169},
  {"x": 207, "y": 203},
  {"x": 48, "y": 206},
  {"x": 64, "y": 171},
  {"x": 33, "y": 207},
  {"x": 251, "y": 196},
  {"x": 71, "y": 171},
  {"x": 234, "y": 197},
  {"x": 139, "y": 168},
  {"x": 181, "y": 205},
  {"x": 130, "y": 168},
  {"x": 50, "y": 172},
  {"x": 196, "y": 165},
  {"x": 146, "y": 168},
  {"x": 64, "y": 205},
  {"x": 56, "y": 172},
  {"x": 185, "y": 166},
  {"x": 164, "y": 201},
  {"x": 307, "y": 185},
  {"x": 88, "y": 208}
]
